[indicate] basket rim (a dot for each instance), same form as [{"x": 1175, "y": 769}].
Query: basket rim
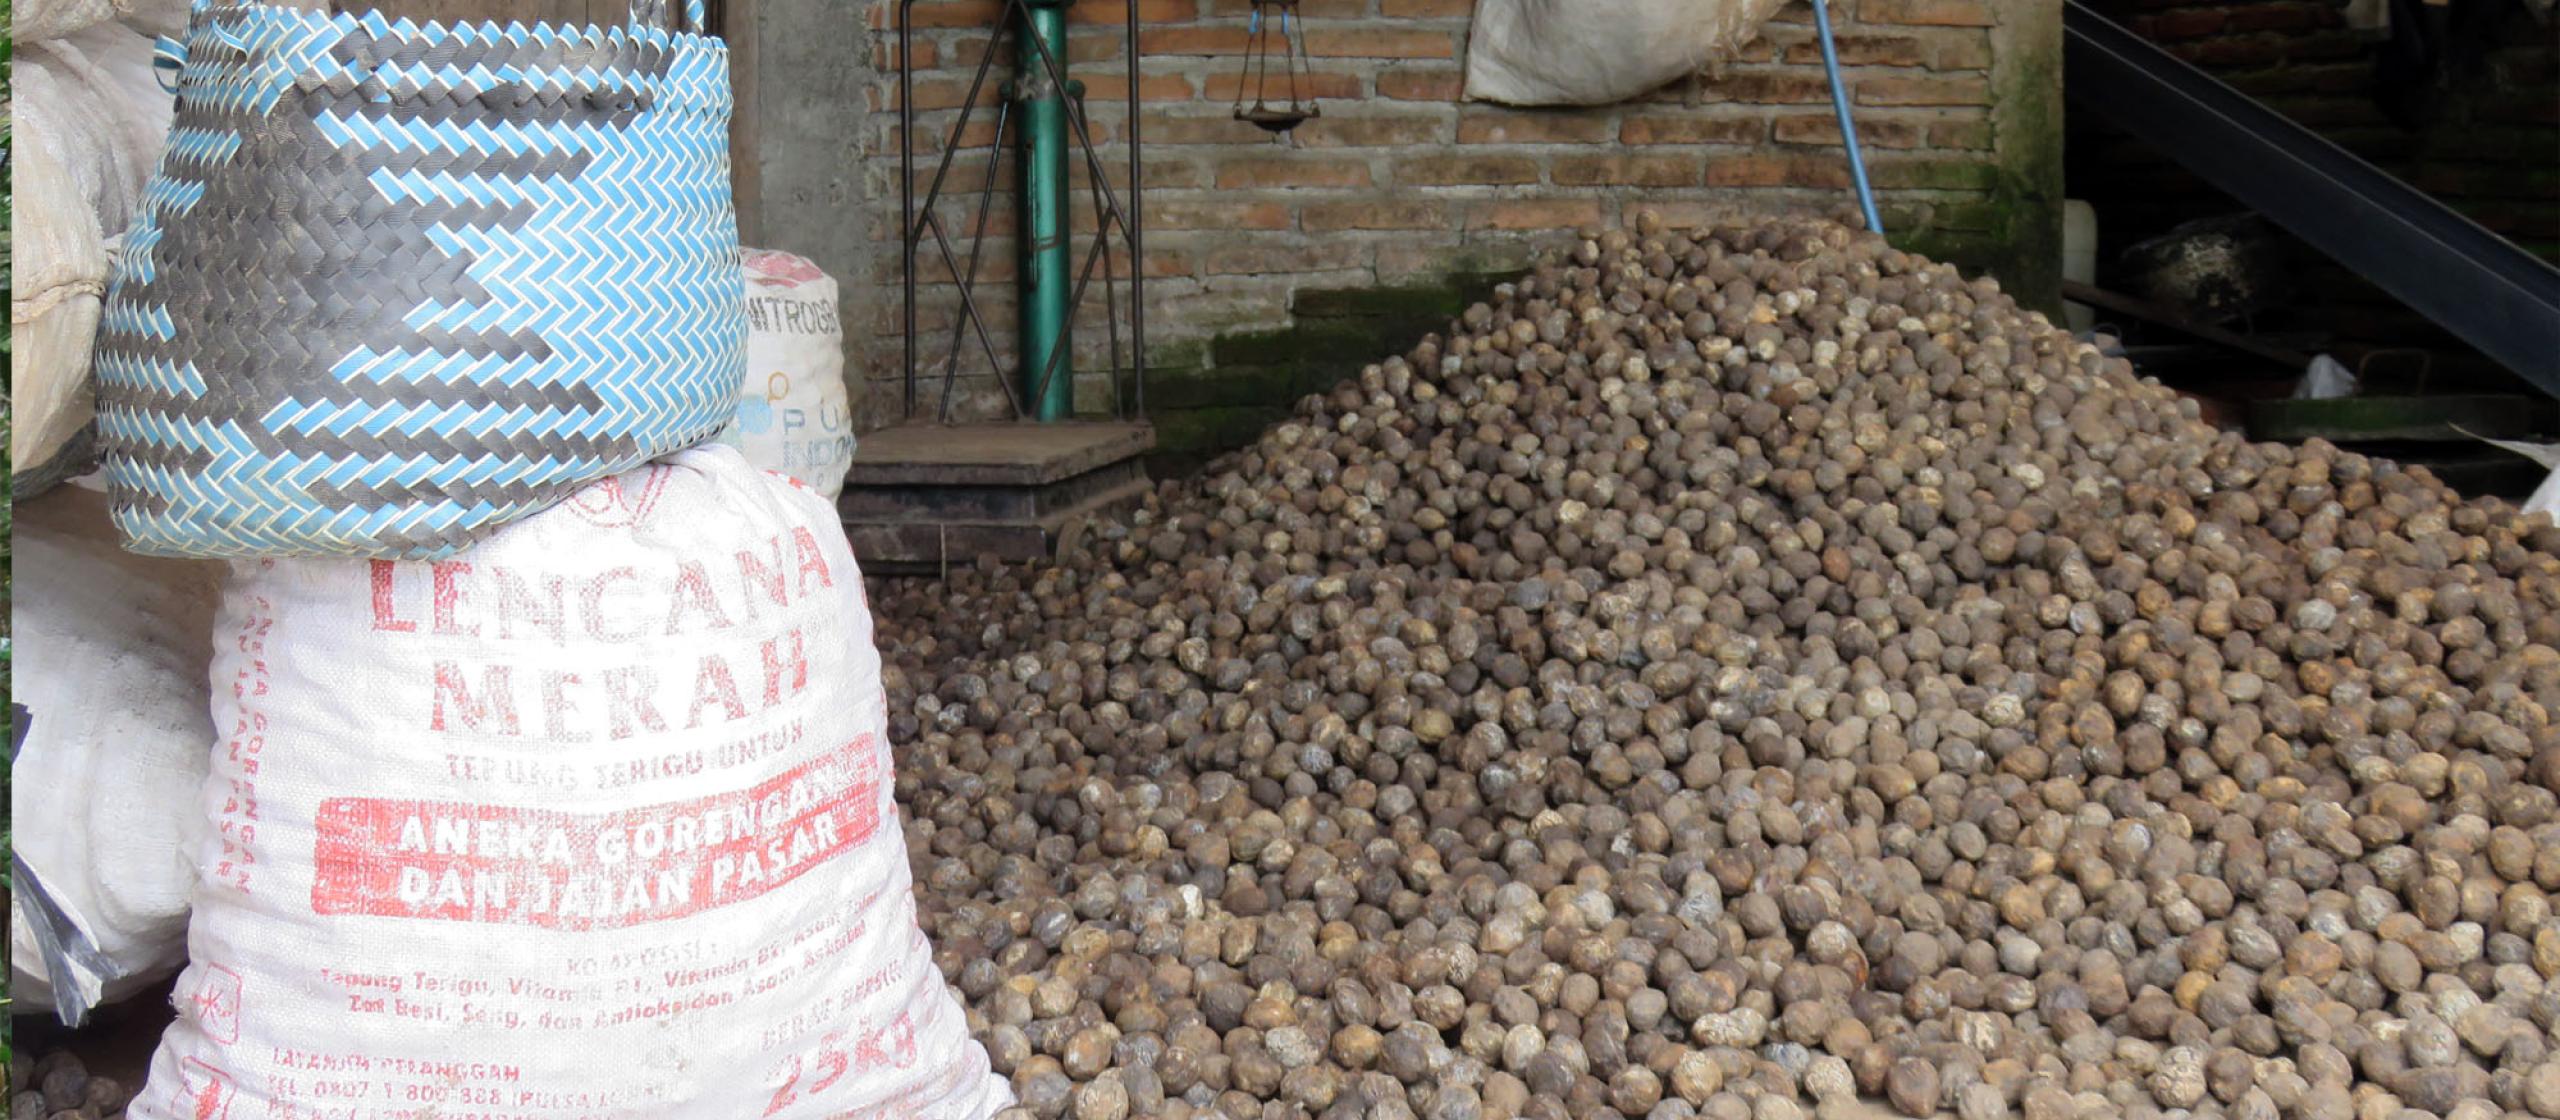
[
  {"x": 374, "y": 22},
  {"x": 675, "y": 71}
]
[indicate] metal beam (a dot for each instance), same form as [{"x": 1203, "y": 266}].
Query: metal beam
[{"x": 2472, "y": 282}]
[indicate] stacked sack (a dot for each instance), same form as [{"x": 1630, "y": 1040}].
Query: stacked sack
[
  {"x": 88, "y": 119},
  {"x": 109, "y": 671},
  {"x": 108, "y": 687},
  {"x": 549, "y": 775},
  {"x": 794, "y": 415}
]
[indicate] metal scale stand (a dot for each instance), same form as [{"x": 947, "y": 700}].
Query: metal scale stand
[{"x": 930, "y": 493}]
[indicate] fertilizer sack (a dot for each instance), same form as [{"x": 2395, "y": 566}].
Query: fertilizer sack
[
  {"x": 794, "y": 414},
  {"x": 1601, "y": 52},
  {"x": 591, "y": 821},
  {"x": 108, "y": 676}
]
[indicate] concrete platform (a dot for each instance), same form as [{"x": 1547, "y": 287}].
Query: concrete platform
[{"x": 921, "y": 498}]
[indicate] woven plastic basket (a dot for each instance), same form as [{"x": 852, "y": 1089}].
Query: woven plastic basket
[{"x": 397, "y": 284}]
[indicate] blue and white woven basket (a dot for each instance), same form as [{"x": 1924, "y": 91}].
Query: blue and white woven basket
[{"x": 396, "y": 284}]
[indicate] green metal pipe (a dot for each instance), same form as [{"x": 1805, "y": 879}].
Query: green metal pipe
[{"x": 1047, "y": 394}]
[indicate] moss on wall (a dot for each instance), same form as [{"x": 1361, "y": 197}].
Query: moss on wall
[{"x": 1211, "y": 396}]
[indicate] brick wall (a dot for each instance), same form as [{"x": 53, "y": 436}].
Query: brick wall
[
  {"x": 1400, "y": 185},
  {"x": 2491, "y": 153}
]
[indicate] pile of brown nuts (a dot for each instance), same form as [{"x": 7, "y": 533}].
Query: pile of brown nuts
[{"x": 1733, "y": 674}]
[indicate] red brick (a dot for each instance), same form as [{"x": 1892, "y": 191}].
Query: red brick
[
  {"x": 1307, "y": 9},
  {"x": 995, "y": 262},
  {"x": 978, "y": 133},
  {"x": 1767, "y": 87},
  {"x": 1404, "y": 260},
  {"x": 1374, "y": 42},
  {"x": 1219, "y": 128},
  {"x": 1966, "y": 51},
  {"x": 1426, "y": 9},
  {"x": 1625, "y": 170},
  {"x": 945, "y": 93},
  {"x": 940, "y": 13},
  {"x": 1924, "y": 91},
  {"x": 1261, "y": 260},
  {"x": 1686, "y": 214},
  {"x": 1864, "y": 50},
  {"x": 1824, "y": 130},
  {"x": 1932, "y": 13},
  {"x": 1324, "y": 85},
  {"x": 1371, "y": 132},
  {"x": 1465, "y": 170},
  {"x": 1693, "y": 128},
  {"x": 1211, "y": 214},
  {"x": 2284, "y": 17},
  {"x": 960, "y": 219},
  {"x": 1545, "y": 213},
  {"x": 1161, "y": 263},
  {"x": 2229, "y": 52},
  {"x": 1769, "y": 170},
  {"x": 1974, "y": 135},
  {"x": 1926, "y": 173},
  {"x": 1257, "y": 173},
  {"x": 966, "y": 53},
  {"x": 1162, "y": 174},
  {"x": 1151, "y": 87},
  {"x": 1193, "y": 40},
  {"x": 2191, "y": 23},
  {"x": 884, "y": 55},
  {"x": 1500, "y": 127},
  {"x": 1116, "y": 12},
  {"x": 1389, "y": 213},
  {"x": 1412, "y": 84}
]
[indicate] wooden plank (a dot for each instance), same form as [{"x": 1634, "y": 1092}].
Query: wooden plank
[
  {"x": 2153, "y": 313},
  {"x": 2366, "y": 419},
  {"x": 1001, "y": 454}
]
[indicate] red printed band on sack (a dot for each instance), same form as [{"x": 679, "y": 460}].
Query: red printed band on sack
[{"x": 444, "y": 861}]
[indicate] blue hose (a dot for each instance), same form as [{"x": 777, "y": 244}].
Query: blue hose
[{"x": 1848, "y": 129}]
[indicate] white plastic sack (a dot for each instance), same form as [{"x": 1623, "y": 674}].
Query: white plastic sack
[
  {"x": 2546, "y": 497},
  {"x": 89, "y": 119},
  {"x": 592, "y": 821},
  {"x": 794, "y": 415},
  {"x": 2326, "y": 380},
  {"x": 110, "y": 666},
  {"x": 1601, "y": 52},
  {"x": 35, "y": 21}
]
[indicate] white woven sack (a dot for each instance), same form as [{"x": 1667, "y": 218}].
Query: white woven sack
[
  {"x": 592, "y": 821},
  {"x": 1601, "y": 52},
  {"x": 110, "y": 665},
  {"x": 36, "y": 21},
  {"x": 794, "y": 414},
  {"x": 89, "y": 118}
]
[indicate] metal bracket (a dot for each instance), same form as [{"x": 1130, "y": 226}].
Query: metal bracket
[
  {"x": 2474, "y": 283},
  {"x": 1117, "y": 219}
]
